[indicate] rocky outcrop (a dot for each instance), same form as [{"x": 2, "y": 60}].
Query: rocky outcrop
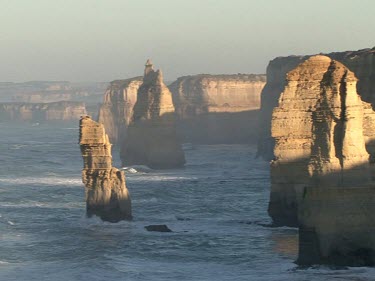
[
  {"x": 218, "y": 108},
  {"x": 151, "y": 136},
  {"x": 117, "y": 109},
  {"x": 42, "y": 112},
  {"x": 106, "y": 193},
  {"x": 321, "y": 176},
  {"x": 319, "y": 137},
  {"x": 361, "y": 62}
]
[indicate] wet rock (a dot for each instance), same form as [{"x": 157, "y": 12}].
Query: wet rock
[{"x": 158, "y": 228}]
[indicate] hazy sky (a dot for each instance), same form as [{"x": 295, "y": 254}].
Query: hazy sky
[{"x": 102, "y": 40}]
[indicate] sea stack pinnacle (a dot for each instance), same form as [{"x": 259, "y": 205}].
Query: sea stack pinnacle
[
  {"x": 151, "y": 137},
  {"x": 106, "y": 193}
]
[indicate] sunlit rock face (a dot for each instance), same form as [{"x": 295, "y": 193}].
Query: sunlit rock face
[
  {"x": 218, "y": 108},
  {"x": 42, "y": 112},
  {"x": 361, "y": 63},
  {"x": 321, "y": 173},
  {"x": 151, "y": 136},
  {"x": 117, "y": 109},
  {"x": 106, "y": 194},
  {"x": 319, "y": 137}
]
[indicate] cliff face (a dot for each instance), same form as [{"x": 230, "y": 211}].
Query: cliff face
[
  {"x": 151, "y": 137},
  {"x": 40, "y": 112},
  {"x": 337, "y": 226},
  {"x": 117, "y": 109},
  {"x": 319, "y": 137},
  {"x": 106, "y": 193},
  {"x": 361, "y": 62},
  {"x": 321, "y": 176},
  {"x": 218, "y": 108}
]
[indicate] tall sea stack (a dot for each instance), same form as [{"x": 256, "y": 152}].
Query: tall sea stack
[
  {"x": 151, "y": 136},
  {"x": 361, "y": 63},
  {"x": 321, "y": 176},
  {"x": 319, "y": 137},
  {"x": 106, "y": 194}
]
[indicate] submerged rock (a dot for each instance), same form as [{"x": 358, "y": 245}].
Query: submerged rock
[
  {"x": 106, "y": 194},
  {"x": 151, "y": 136},
  {"x": 158, "y": 228}
]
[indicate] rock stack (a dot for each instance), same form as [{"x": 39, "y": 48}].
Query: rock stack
[
  {"x": 361, "y": 63},
  {"x": 319, "y": 137},
  {"x": 106, "y": 193},
  {"x": 151, "y": 137},
  {"x": 117, "y": 109},
  {"x": 321, "y": 175}
]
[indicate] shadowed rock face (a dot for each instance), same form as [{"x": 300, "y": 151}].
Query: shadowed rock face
[
  {"x": 337, "y": 226},
  {"x": 361, "y": 63},
  {"x": 106, "y": 194},
  {"x": 41, "y": 112},
  {"x": 117, "y": 109},
  {"x": 318, "y": 132},
  {"x": 151, "y": 137},
  {"x": 217, "y": 108}
]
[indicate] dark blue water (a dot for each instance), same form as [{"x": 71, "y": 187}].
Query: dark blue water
[{"x": 216, "y": 207}]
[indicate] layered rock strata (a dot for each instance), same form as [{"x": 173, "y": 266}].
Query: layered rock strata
[
  {"x": 319, "y": 137},
  {"x": 106, "y": 194},
  {"x": 321, "y": 172},
  {"x": 218, "y": 108},
  {"x": 117, "y": 109},
  {"x": 151, "y": 136},
  {"x": 40, "y": 112},
  {"x": 361, "y": 62}
]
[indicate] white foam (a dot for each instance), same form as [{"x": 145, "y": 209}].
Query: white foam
[
  {"x": 10, "y": 222},
  {"x": 52, "y": 181}
]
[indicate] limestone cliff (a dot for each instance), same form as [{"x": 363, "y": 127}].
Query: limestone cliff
[
  {"x": 361, "y": 62},
  {"x": 106, "y": 193},
  {"x": 337, "y": 226},
  {"x": 319, "y": 137},
  {"x": 117, "y": 109},
  {"x": 218, "y": 108},
  {"x": 42, "y": 112},
  {"x": 151, "y": 136}
]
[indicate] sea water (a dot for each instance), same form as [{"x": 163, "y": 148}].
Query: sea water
[{"x": 216, "y": 207}]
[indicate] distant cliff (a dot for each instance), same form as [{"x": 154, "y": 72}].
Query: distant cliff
[
  {"x": 51, "y": 91},
  {"x": 39, "y": 112},
  {"x": 361, "y": 62},
  {"x": 117, "y": 109},
  {"x": 218, "y": 108}
]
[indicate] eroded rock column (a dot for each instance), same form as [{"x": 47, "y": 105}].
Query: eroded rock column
[{"x": 106, "y": 194}]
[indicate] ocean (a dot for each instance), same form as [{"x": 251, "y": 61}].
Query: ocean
[{"x": 216, "y": 207}]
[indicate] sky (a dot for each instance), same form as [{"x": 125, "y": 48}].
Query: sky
[{"x": 103, "y": 40}]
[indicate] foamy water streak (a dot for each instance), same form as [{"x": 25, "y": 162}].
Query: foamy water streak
[{"x": 50, "y": 181}]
